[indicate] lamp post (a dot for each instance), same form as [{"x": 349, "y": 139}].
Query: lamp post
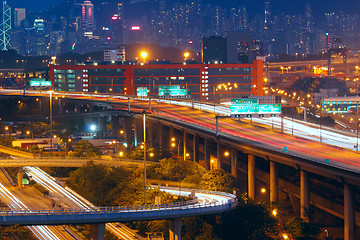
[
  {"x": 51, "y": 132},
  {"x": 144, "y": 116}
]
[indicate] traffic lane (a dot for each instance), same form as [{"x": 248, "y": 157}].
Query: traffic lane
[{"x": 311, "y": 149}]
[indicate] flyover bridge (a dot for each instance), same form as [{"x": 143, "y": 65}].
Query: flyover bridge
[
  {"x": 219, "y": 202},
  {"x": 310, "y": 172}
]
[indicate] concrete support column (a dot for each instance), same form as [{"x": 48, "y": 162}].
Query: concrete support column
[
  {"x": 251, "y": 176},
  {"x": 304, "y": 195},
  {"x": 127, "y": 125},
  {"x": 101, "y": 125},
  {"x": 349, "y": 213},
  {"x": 207, "y": 154},
  {"x": 274, "y": 175},
  {"x": 219, "y": 156},
  {"x": 61, "y": 107},
  {"x": 97, "y": 231},
  {"x": 161, "y": 137},
  {"x": 185, "y": 143},
  {"x": 175, "y": 229},
  {"x": 20, "y": 176},
  {"x": 150, "y": 132},
  {"x": 138, "y": 131},
  {"x": 234, "y": 159},
  {"x": 196, "y": 148},
  {"x": 115, "y": 125}
]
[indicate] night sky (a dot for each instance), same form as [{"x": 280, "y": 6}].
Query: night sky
[{"x": 253, "y": 6}]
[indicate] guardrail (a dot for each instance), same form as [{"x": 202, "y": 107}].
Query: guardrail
[{"x": 191, "y": 204}]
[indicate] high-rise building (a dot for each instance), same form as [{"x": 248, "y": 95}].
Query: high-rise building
[
  {"x": 87, "y": 11},
  {"x": 19, "y": 16},
  {"x": 267, "y": 19}
]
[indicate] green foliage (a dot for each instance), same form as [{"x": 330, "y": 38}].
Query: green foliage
[
  {"x": 249, "y": 220},
  {"x": 84, "y": 148},
  {"x": 195, "y": 228},
  {"x": 6, "y": 140},
  {"x": 138, "y": 153},
  {"x": 218, "y": 180},
  {"x": 172, "y": 170},
  {"x": 301, "y": 230},
  {"x": 106, "y": 186},
  {"x": 16, "y": 232}
]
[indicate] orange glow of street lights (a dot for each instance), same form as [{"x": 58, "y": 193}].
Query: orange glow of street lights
[{"x": 186, "y": 55}]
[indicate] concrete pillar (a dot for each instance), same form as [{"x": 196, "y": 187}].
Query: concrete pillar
[
  {"x": 219, "y": 156},
  {"x": 115, "y": 125},
  {"x": 61, "y": 107},
  {"x": 196, "y": 148},
  {"x": 127, "y": 125},
  {"x": 175, "y": 229},
  {"x": 101, "y": 125},
  {"x": 304, "y": 195},
  {"x": 251, "y": 176},
  {"x": 207, "y": 154},
  {"x": 97, "y": 231},
  {"x": 161, "y": 137},
  {"x": 138, "y": 131},
  {"x": 20, "y": 177},
  {"x": 150, "y": 132},
  {"x": 234, "y": 159},
  {"x": 273, "y": 182},
  {"x": 185, "y": 143},
  {"x": 349, "y": 213}
]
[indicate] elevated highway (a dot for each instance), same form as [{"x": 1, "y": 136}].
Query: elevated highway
[{"x": 251, "y": 148}]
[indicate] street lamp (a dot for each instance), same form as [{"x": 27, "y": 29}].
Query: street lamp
[
  {"x": 144, "y": 56},
  {"x": 51, "y": 131}
]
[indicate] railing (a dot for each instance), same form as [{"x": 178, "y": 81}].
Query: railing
[{"x": 192, "y": 204}]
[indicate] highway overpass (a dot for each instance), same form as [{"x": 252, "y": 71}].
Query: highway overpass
[{"x": 258, "y": 153}]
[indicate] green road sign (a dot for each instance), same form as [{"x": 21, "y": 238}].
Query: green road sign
[
  {"x": 244, "y": 101},
  {"x": 142, "y": 91},
  {"x": 173, "y": 90},
  {"x": 39, "y": 83},
  {"x": 255, "y": 108}
]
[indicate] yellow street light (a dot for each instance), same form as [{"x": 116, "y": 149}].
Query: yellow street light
[
  {"x": 186, "y": 55},
  {"x": 144, "y": 56},
  {"x": 173, "y": 144},
  {"x": 151, "y": 154},
  {"x": 121, "y": 154},
  {"x": 226, "y": 154},
  {"x": 263, "y": 190},
  {"x": 173, "y": 139},
  {"x": 274, "y": 212},
  {"x": 187, "y": 154},
  {"x": 6, "y": 128},
  {"x": 28, "y": 132},
  {"x": 121, "y": 131},
  {"x": 285, "y": 236}
]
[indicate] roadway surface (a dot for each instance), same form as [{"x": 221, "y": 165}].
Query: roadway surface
[{"x": 25, "y": 199}]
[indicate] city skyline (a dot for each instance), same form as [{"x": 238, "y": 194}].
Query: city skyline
[{"x": 256, "y": 6}]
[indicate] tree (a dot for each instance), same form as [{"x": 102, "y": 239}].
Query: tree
[
  {"x": 219, "y": 180},
  {"x": 302, "y": 230},
  {"x": 84, "y": 148},
  {"x": 249, "y": 220},
  {"x": 172, "y": 170}
]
